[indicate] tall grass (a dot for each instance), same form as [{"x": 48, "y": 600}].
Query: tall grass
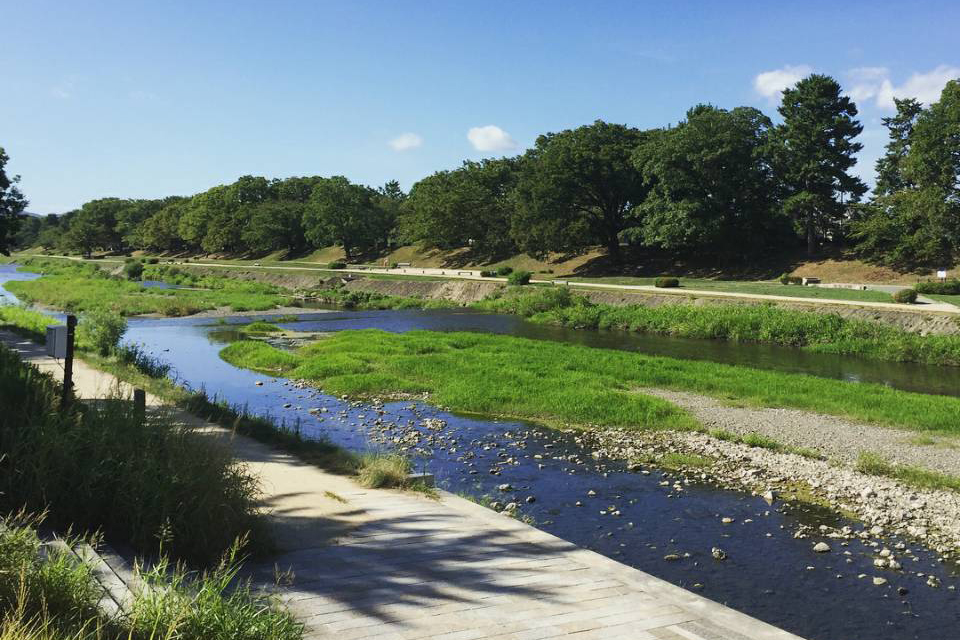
[
  {"x": 26, "y": 322},
  {"x": 823, "y": 332},
  {"x": 55, "y": 589},
  {"x": 99, "y": 467},
  {"x": 563, "y": 383},
  {"x": 54, "y": 596}
]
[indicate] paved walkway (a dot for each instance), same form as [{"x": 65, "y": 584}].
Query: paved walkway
[{"x": 358, "y": 563}]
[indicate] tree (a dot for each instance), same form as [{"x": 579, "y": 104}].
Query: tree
[
  {"x": 814, "y": 148},
  {"x": 160, "y": 232},
  {"x": 347, "y": 214},
  {"x": 915, "y": 223},
  {"x": 471, "y": 205},
  {"x": 577, "y": 188},
  {"x": 94, "y": 226},
  {"x": 889, "y": 168},
  {"x": 12, "y": 204},
  {"x": 275, "y": 225},
  {"x": 712, "y": 185}
]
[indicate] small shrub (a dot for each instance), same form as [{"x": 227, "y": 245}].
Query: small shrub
[
  {"x": 337, "y": 264},
  {"x": 666, "y": 283},
  {"x": 153, "y": 261},
  {"x": 394, "y": 265},
  {"x": 487, "y": 274},
  {"x": 947, "y": 288},
  {"x": 784, "y": 278},
  {"x": 905, "y": 296},
  {"x": 504, "y": 271},
  {"x": 133, "y": 270},
  {"x": 101, "y": 330},
  {"x": 519, "y": 278},
  {"x": 378, "y": 471}
]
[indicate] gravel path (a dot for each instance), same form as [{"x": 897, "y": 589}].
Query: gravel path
[{"x": 837, "y": 438}]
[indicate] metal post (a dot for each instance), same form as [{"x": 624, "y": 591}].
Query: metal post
[
  {"x": 140, "y": 404},
  {"x": 68, "y": 364}
]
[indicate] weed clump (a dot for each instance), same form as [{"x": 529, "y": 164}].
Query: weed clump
[
  {"x": 905, "y": 296},
  {"x": 519, "y": 278}
]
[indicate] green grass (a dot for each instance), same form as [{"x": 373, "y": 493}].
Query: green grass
[
  {"x": 875, "y": 465},
  {"x": 78, "y": 287},
  {"x": 677, "y": 460},
  {"x": 558, "y": 383},
  {"x": 770, "y": 288},
  {"x": 954, "y": 300},
  {"x": 26, "y": 322},
  {"x": 53, "y": 596},
  {"x": 259, "y": 328},
  {"x": 822, "y": 332},
  {"x": 99, "y": 467}
]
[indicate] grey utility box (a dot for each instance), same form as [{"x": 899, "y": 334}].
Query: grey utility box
[{"x": 57, "y": 341}]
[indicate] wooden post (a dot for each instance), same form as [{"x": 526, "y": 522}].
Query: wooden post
[
  {"x": 68, "y": 364},
  {"x": 140, "y": 404}
]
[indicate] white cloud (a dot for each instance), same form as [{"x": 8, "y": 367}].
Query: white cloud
[
  {"x": 490, "y": 138},
  {"x": 770, "y": 84},
  {"x": 874, "y": 83},
  {"x": 406, "y": 141}
]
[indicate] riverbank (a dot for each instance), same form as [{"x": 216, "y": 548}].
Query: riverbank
[
  {"x": 616, "y": 400},
  {"x": 561, "y": 384}
]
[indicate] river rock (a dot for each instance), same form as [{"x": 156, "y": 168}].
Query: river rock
[
  {"x": 821, "y": 547},
  {"x": 718, "y": 553},
  {"x": 877, "y": 580}
]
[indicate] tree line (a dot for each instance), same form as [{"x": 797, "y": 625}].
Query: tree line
[{"x": 727, "y": 184}]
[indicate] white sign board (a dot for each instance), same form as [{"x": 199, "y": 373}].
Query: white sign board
[{"x": 942, "y": 273}]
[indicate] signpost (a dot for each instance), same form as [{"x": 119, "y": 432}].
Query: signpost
[
  {"x": 68, "y": 364},
  {"x": 942, "y": 274}
]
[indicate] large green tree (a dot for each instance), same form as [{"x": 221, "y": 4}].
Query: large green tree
[
  {"x": 12, "y": 204},
  {"x": 347, "y": 214},
  {"x": 815, "y": 151},
  {"x": 579, "y": 188},
  {"x": 712, "y": 184},
  {"x": 94, "y": 226},
  {"x": 471, "y": 205}
]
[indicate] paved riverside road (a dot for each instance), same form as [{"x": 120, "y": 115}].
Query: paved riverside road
[{"x": 366, "y": 563}]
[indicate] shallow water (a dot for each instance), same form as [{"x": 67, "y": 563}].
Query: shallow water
[{"x": 768, "y": 573}]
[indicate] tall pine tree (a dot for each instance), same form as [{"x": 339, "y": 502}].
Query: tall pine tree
[{"x": 815, "y": 150}]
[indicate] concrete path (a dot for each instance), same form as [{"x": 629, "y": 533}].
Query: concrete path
[{"x": 358, "y": 563}]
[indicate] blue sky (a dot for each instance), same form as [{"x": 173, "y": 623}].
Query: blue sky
[{"x": 144, "y": 99}]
